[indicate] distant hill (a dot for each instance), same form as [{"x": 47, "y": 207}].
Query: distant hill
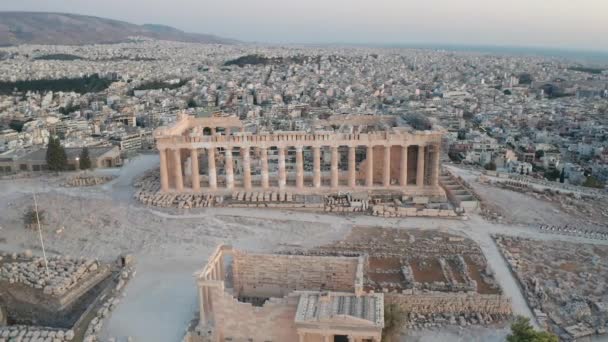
[{"x": 73, "y": 29}]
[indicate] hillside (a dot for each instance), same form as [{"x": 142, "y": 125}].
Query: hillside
[{"x": 72, "y": 29}]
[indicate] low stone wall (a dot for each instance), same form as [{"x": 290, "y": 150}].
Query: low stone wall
[
  {"x": 393, "y": 211},
  {"x": 32, "y": 333},
  {"x": 277, "y": 275},
  {"x": 181, "y": 201},
  {"x": 63, "y": 273},
  {"x": 84, "y": 180},
  {"x": 107, "y": 302},
  {"x": 452, "y": 303}
]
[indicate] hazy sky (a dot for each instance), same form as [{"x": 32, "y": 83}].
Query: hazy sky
[{"x": 543, "y": 23}]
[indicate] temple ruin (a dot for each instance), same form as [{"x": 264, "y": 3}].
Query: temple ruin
[
  {"x": 269, "y": 297},
  {"x": 217, "y": 154}
]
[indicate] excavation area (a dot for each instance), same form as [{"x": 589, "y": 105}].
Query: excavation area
[{"x": 565, "y": 283}]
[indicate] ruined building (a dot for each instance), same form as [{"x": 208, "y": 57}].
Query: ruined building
[
  {"x": 348, "y": 153},
  {"x": 269, "y": 297}
]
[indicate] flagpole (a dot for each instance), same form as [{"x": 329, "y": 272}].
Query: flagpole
[{"x": 46, "y": 263}]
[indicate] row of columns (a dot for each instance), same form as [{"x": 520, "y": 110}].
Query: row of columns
[
  {"x": 205, "y": 294},
  {"x": 282, "y": 181}
]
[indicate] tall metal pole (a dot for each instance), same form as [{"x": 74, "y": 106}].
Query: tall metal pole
[{"x": 46, "y": 263}]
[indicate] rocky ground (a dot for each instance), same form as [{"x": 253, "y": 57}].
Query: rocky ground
[{"x": 170, "y": 245}]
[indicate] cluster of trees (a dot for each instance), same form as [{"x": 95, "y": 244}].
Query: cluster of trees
[
  {"x": 418, "y": 121},
  {"x": 153, "y": 85},
  {"x": 58, "y": 57},
  {"x": 57, "y": 160},
  {"x": 595, "y": 71},
  {"x": 263, "y": 60},
  {"x": 81, "y": 85}
]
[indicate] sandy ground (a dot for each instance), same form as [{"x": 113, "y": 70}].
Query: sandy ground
[{"x": 169, "y": 245}]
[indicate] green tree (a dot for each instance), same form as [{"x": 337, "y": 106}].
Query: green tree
[
  {"x": 192, "y": 103},
  {"x": 29, "y": 217},
  {"x": 592, "y": 182},
  {"x": 56, "y": 159},
  {"x": 491, "y": 166},
  {"x": 462, "y": 134},
  {"x": 84, "y": 160},
  {"x": 522, "y": 331},
  {"x": 394, "y": 318},
  {"x": 552, "y": 175}
]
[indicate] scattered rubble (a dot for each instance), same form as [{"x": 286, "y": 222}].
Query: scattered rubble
[{"x": 566, "y": 284}]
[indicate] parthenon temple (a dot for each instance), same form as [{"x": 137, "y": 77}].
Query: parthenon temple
[{"x": 359, "y": 152}]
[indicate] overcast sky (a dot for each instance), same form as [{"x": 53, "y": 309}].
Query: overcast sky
[{"x": 542, "y": 23}]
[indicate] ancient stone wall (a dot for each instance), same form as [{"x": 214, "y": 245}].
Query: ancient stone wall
[
  {"x": 456, "y": 303},
  {"x": 242, "y": 321},
  {"x": 265, "y": 275}
]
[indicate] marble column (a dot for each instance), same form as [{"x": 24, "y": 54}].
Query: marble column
[
  {"x": 264, "y": 158},
  {"x": 334, "y": 167},
  {"x": 299, "y": 168},
  {"x": 403, "y": 168},
  {"x": 212, "y": 172},
  {"x": 352, "y": 168},
  {"x": 316, "y": 167},
  {"x": 370, "y": 166},
  {"x": 201, "y": 304},
  {"x": 386, "y": 179},
  {"x": 420, "y": 168},
  {"x": 246, "y": 167},
  {"x": 436, "y": 159},
  {"x": 179, "y": 179},
  {"x": 229, "y": 166},
  {"x": 164, "y": 177},
  {"x": 282, "y": 174},
  {"x": 196, "y": 180}
]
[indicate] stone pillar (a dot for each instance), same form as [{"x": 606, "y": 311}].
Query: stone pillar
[
  {"x": 229, "y": 166},
  {"x": 164, "y": 177},
  {"x": 370, "y": 166},
  {"x": 299, "y": 168},
  {"x": 316, "y": 167},
  {"x": 334, "y": 167},
  {"x": 264, "y": 153},
  {"x": 196, "y": 180},
  {"x": 403, "y": 168},
  {"x": 436, "y": 159},
  {"x": 326, "y": 338},
  {"x": 282, "y": 174},
  {"x": 301, "y": 337},
  {"x": 386, "y": 179},
  {"x": 246, "y": 167},
  {"x": 201, "y": 304},
  {"x": 212, "y": 171},
  {"x": 179, "y": 179},
  {"x": 420, "y": 169},
  {"x": 352, "y": 168}
]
